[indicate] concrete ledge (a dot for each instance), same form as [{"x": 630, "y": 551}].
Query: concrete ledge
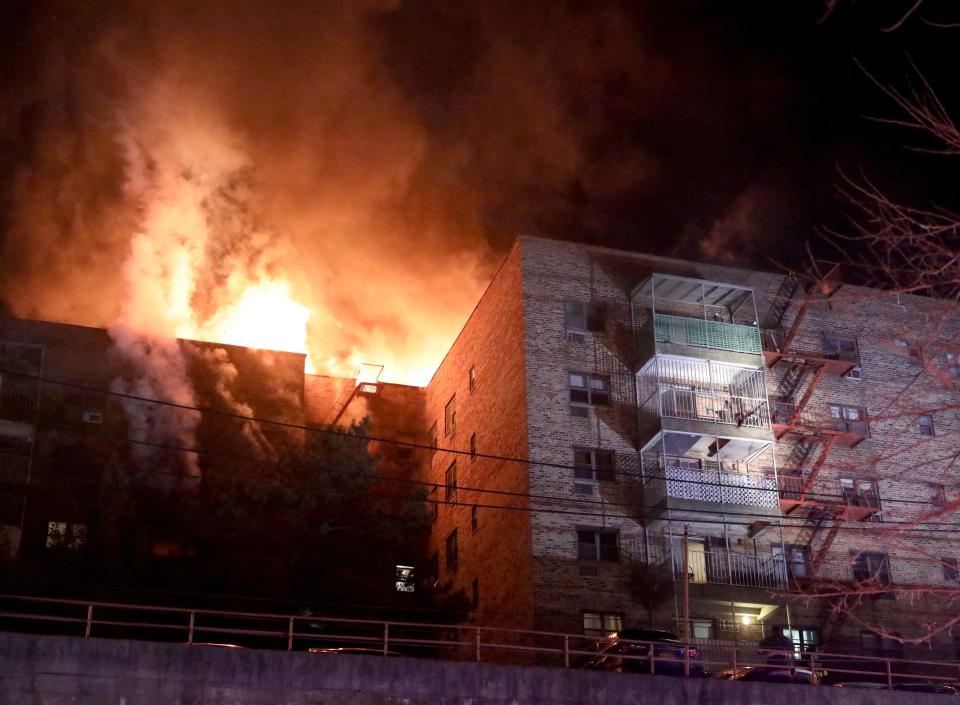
[{"x": 47, "y": 670}]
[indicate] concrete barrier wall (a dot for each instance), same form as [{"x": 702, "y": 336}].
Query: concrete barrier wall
[{"x": 53, "y": 670}]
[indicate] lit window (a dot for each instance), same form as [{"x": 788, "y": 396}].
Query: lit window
[
  {"x": 953, "y": 367},
  {"x": 450, "y": 483},
  {"x": 601, "y": 623},
  {"x": 597, "y": 546},
  {"x": 593, "y": 464},
  {"x": 62, "y": 534},
  {"x": 925, "y": 424},
  {"x": 701, "y": 628},
  {"x": 451, "y": 553},
  {"x": 580, "y": 316},
  {"x": 589, "y": 389},
  {"x": 405, "y": 579},
  {"x": 450, "y": 416}
]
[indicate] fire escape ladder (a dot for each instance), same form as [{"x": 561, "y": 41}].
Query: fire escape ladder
[
  {"x": 343, "y": 401},
  {"x": 817, "y": 466},
  {"x": 807, "y": 393},
  {"x": 789, "y": 286},
  {"x": 824, "y": 549},
  {"x": 790, "y": 382},
  {"x": 797, "y": 320},
  {"x": 798, "y": 456}
]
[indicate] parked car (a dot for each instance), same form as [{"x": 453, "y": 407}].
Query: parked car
[
  {"x": 769, "y": 674},
  {"x": 629, "y": 651}
]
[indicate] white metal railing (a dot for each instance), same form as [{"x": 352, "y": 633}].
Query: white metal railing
[
  {"x": 752, "y": 489},
  {"x": 705, "y": 391},
  {"x": 730, "y": 568}
]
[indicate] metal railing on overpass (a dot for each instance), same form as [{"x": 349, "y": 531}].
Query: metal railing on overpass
[{"x": 206, "y": 627}]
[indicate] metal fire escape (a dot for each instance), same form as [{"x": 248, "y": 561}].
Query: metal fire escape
[{"x": 814, "y": 436}]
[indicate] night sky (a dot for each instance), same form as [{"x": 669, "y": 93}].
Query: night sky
[{"x": 701, "y": 129}]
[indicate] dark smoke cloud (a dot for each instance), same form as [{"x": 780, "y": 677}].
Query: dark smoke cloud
[{"x": 383, "y": 152}]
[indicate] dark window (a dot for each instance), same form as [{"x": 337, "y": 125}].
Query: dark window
[
  {"x": 953, "y": 367},
  {"x": 873, "y": 568},
  {"x": 475, "y": 594},
  {"x": 473, "y": 446},
  {"x": 474, "y": 518},
  {"x": 938, "y": 495},
  {"x": 593, "y": 464},
  {"x": 472, "y": 378},
  {"x": 451, "y": 550},
  {"x": 597, "y": 545},
  {"x": 851, "y": 419},
  {"x": 951, "y": 569},
  {"x": 433, "y": 436},
  {"x": 602, "y": 623},
  {"x": 925, "y": 424},
  {"x": 450, "y": 483},
  {"x": 589, "y": 389},
  {"x": 860, "y": 492},
  {"x": 841, "y": 349},
  {"x": 433, "y": 499},
  {"x": 582, "y": 316},
  {"x": 433, "y": 570},
  {"x": 450, "y": 416}
]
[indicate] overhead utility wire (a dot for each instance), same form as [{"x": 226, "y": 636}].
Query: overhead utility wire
[{"x": 390, "y": 441}]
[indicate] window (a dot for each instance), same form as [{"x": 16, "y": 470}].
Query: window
[
  {"x": 405, "y": 580},
  {"x": 434, "y": 504},
  {"x": 62, "y": 534},
  {"x": 701, "y": 628},
  {"x": 580, "y": 316},
  {"x": 848, "y": 418},
  {"x": 433, "y": 436},
  {"x": 472, "y": 378},
  {"x": 805, "y": 639},
  {"x": 951, "y": 569},
  {"x": 474, "y": 518},
  {"x": 450, "y": 416},
  {"x": 601, "y": 623},
  {"x": 938, "y": 496},
  {"x": 925, "y": 424},
  {"x": 593, "y": 545},
  {"x": 589, "y": 389},
  {"x": 433, "y": 570},
  {"x": 841, "y": 349},
  {"x": 915, "y": 357},
  {"x": 475, "y": 594},
  {"x": 451, "y": 550},
  {"x": 593, "y": 464},
  {"x": 796, "y": 558},
  {"x": 860, "y": 492},
  {"x": 473, "y": 446},
  {"x": 953, "y": 367},
  {"x": 873, "y": 568},
  {"x": 450, "y": 483}
]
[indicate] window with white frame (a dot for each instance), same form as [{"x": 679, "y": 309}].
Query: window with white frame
[{"x": 589, "y": 389}]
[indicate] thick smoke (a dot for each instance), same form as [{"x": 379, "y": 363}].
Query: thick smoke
[{"x": 372, "y": 158}]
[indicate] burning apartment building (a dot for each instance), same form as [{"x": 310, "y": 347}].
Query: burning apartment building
[{"x": 608, "y": 428}]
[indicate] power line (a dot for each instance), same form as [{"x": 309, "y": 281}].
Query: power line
[{"x": 391, "y": 441}]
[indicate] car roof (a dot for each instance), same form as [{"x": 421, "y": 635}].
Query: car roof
[{"x": 643, "y": 634}]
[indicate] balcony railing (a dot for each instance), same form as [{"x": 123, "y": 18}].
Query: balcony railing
[
  {"x": 729, "y": 568},
  {"x": 747, "y": 489},
  {"x": 707, "y": 334},
  {"x": 786, "y": 414},
  {"x": 716, "y": 407}
]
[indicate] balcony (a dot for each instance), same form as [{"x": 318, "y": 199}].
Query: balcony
[
  {"x": 704, "y": 391},
  {"x": 699, "y": 333},
  {"x": 728, "y": 568},
  {"x": 749, "y": 489}
]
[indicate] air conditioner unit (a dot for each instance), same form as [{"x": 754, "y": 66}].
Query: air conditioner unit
[
  {"x": 584, "y": 488},
  {"x": 93, "y": 417},
  {"x": 581, "y": 411},
  {"x": 575, "y": 337}
]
